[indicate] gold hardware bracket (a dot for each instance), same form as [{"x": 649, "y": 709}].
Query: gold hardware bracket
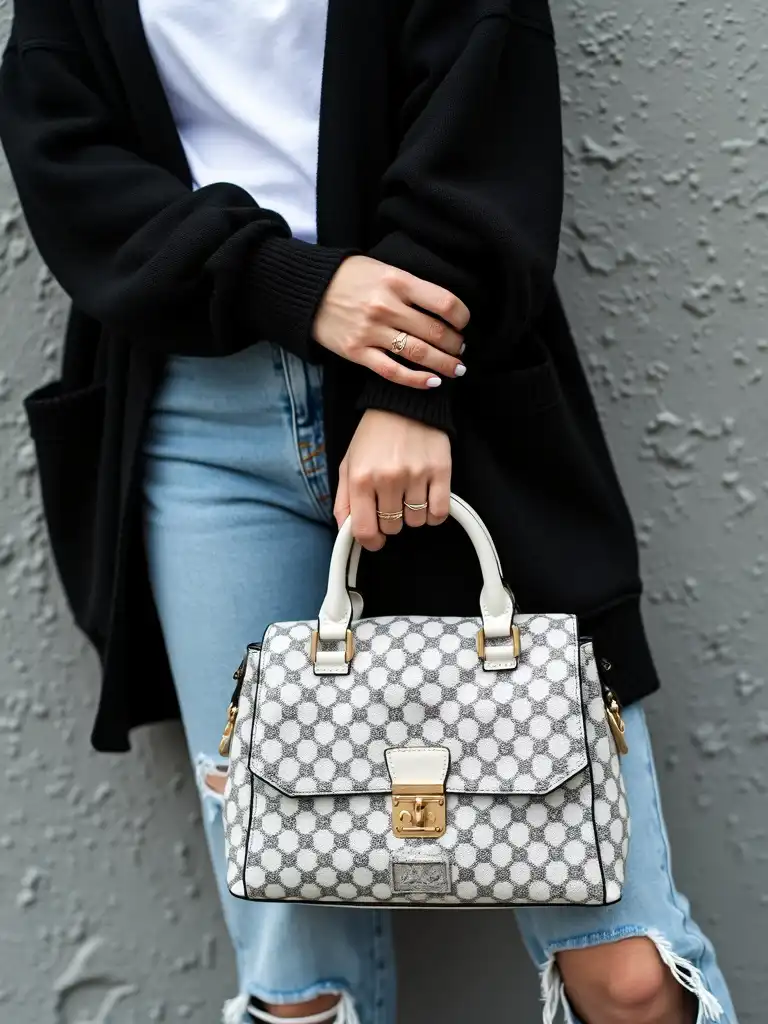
[
  {"x": 616, "y": 722},
  {"x": 226, "y": 739},
  {"x": 481, "y": 642},
  {"x": 418, "y": 811},
  {"x": 349, "y": 646}
]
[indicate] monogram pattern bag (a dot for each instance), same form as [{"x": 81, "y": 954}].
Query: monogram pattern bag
[{"x": 413, "y": 760}]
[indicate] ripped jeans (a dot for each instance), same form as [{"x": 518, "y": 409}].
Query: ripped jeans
[{"x": 239, "y": 533}]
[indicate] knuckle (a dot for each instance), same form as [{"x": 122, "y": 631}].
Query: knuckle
[
  {"x": 392, "y": 278},
  {"x": 370, "y": 317},
  {"x": 374, "y": 544},
  {"x": 445, "y": 304},
  {"x": 356, "y": 341},
  {"x": 361, "y": 479},
  {"x": 417, "y": 351},
  {"x": 390, "y": 370},
  {"x": 389, "y": 477},
  {"x": 417, "y": 472},
  {"x": 378, "y": 307},
  {"x": 437, "y": 330}
]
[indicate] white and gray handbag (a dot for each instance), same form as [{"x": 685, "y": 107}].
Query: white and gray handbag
[{"x": 410, "y": 760}]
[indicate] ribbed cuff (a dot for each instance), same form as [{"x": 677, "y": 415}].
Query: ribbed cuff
[
  {"x": 286, "y": 282},
  {"x": 432, "y": 406}
]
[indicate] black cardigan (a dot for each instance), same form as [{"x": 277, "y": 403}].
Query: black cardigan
[{"x": 440, "y": 153}]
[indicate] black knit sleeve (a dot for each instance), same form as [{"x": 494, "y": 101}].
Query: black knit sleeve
[
  {"x": 203, "y": 272},
  {"x": 473, "y": 199}
]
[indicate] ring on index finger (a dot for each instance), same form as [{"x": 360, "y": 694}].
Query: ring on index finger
[{"x": 401, "y": 340}]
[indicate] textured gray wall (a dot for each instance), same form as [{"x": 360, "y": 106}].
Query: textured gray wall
[{"x": 106, "y": 908}]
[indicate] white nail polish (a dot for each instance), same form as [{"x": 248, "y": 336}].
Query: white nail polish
[
  {"x": 460, "y": 370},
  {"x": 463, "y": 347},
  {"x": 434, "y": 382}
]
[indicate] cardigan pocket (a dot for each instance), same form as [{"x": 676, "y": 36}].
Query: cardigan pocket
[
  {"x": 524, "y": 387},
  {"x": 551, "y": 472},
  {"x": 67, "y": 430}
]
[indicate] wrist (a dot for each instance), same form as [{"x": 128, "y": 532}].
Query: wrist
[
  {"x": 385, "y": 419},
  {"x": 431, "y": 407}
]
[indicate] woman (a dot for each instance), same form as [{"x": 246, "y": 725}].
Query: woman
[{"x": 281, "y": 224}]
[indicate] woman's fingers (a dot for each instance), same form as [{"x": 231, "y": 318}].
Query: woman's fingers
[
  {"x": 362, "y": 500},
  {"x": 392, "y": 460},
  {"x": 439, "y": 498},
  {"x": 367, "y": 304},
  {"x": 416, "y": 292},
  {"x": 416, "y": 504},
  {"x": 341, "y": 507},
  {"x": 430, "y": 330},
  {"x": 419, "y": 352},
  {"x": 378, "y": 361},
  {"x": 389, "y": 500}
]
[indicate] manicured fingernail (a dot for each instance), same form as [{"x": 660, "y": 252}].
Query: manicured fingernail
[
  {"x": 434, "y": 382},
  {"x": 463, "y": 346},
  {"x": 460, "y": 370}
]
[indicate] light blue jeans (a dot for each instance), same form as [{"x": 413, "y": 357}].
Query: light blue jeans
[{"x": 239, "y": 532}]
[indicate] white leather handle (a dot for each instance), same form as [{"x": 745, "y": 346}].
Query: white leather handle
[
  {"x": 496, "y": 603},
  {"x": 354, "y": 560}
]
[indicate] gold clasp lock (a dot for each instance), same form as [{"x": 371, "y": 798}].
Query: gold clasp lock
[{"x": 418, "y": 811}]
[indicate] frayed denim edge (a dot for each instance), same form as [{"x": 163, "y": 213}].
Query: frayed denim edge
[
  {"x": 234, "y": 1010},
  {"x": 553, "y": 994}
]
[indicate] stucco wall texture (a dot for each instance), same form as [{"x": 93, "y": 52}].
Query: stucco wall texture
[{"x": 107, "y": 910}]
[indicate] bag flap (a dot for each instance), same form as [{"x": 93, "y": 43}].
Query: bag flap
[{"x": 418, "y": 681}]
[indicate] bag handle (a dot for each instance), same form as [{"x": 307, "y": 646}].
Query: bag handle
[
  {"x": 354, "y": 558},
  {"x": 497, "y": 605}
]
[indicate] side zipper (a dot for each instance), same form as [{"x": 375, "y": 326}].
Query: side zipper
[{"x": 238, "y": 675}]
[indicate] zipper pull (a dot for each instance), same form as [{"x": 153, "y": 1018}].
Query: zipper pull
[
  {"x": 226, "y": 738},
  {"x": 615, "y": 721}
]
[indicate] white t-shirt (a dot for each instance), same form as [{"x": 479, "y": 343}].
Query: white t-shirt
[{"x": 243, "y": 80}]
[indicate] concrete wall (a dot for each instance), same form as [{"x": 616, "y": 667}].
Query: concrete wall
[{"x": 106, "y": 909}]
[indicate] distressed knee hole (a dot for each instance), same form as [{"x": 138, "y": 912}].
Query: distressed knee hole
[
  {"x": 632, "y": 982},
  {"x": 211, "y": 778},
  {"x": 323, "y": 1008},
  {"x": 319, "y": 1010},
  {"x": 216, "y": 781}
]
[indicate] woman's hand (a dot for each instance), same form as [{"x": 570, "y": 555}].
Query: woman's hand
[
  {"x": 392, "y": 459},
  {"x": 368, "y": 304}
]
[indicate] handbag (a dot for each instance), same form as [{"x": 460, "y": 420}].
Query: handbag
[{"x": 411, "y": 760}]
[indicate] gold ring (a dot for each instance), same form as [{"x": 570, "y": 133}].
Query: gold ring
[
  {"x": 389, "y": 515},
  {"x": 401, "y": 340},
  {"x": 416, "y": 508}
]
